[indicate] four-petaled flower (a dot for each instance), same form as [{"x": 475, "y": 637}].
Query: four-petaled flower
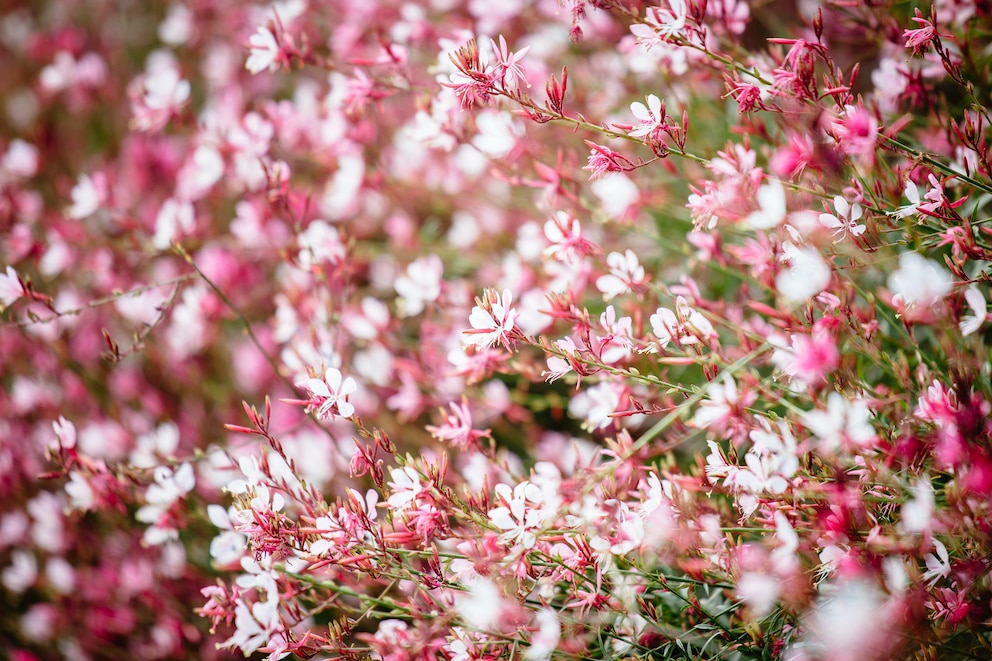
[
  {"x": 520, "y": 514},
  {"x": 11, "y": 288},
  {"x": 492, "y": 320},
  {"x": 652, "y": 117},
  {"x": 845, "y": 220},
  {"x": 264, "y": 51},
  {"x": 329, "y": 396}
]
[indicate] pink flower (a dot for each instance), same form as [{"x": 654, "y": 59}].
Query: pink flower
[
  {"x": 329, "y": 396},
  {"x": 492, "y": 320},
  {"x": 919, "y": 39},
  {"x": 507, "y": 67},
  {"x": 603, "y": 161},
  {"x": 457, "y": 428}
]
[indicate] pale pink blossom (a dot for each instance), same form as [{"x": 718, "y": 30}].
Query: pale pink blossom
[
  {"x": 158, "y": 95},
  {"x": 176, "y": 218},
  {"x": 406, "y": 488},
  {"x": 806, "y": 276},
  {"x": 506, "y": 67},
  {"x": 844, "y": 424},
  {"x": 661, "y": 23},
  {"x": 88, "y": 195},
  {"x": 419, "y": 285}
]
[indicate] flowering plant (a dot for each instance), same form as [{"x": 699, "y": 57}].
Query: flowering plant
[{"x": 552, "y": 330}]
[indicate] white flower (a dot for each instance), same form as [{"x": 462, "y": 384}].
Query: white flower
[
  {"x": 918, "y": 513},
  {"x": 939, "y": 565},
  {"x": 492, "y": 322},
  {"x": 481, "y": 607},
  {"x": 264, "y": 51},
  {"x": 520, "y": 515},
  {"x": 979, "y": 308},
  {"x": 176, "y": 217},
  {"x": 498, "y": 133},
  {"x": 651, "y": 117},
  {"x": 165, "y": 89},
  {"x": 919, "y": 281},
  {"x": 546, "y": 639},
  {"x": 330, "y": 394},
  {"x": 10, "y": 287},
  {"x": 845, "y": 420},
  {"x": 88, "y": 195},
  {"x": 421, "y": 284},
  {"x": 406, "y": 488},
  {"x": 625, "y": 272},
  {"x": 913, "y": 195},
  {"x": 806, "y": 276},
  {"x": 665, "y": 326},
  {"x": 759, "y": 591},
  {"x": 771, "y": 203},
  {"x": 661, "y": 23},
  {"x": 846, "y": 218}
]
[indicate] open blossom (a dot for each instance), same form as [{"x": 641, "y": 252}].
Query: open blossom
[
  {"x": 558, "y": 366},
  {"x": 457, "y": 428},
  {"x": 169, "y": 486},
  {"x": 979, "y": 311},
  {"x": 652, "y": 117},
  {"x": 88, "y": 195},
  {"x": 265, "y": 51},
  {"x": 626, "y": 273},
  {"x": 158, "y": 95},
  {"x": 771, "y": 203},
  {"x": 10, "y": 287},
  {"x": 846, "y": 218},
  {"x": 329, "y": 396},
  {"x": 856, "y": 131},
  {"x": 919, "y": 39},
  {"x": 806, "y": 276},
  {"x": 406, "y": 488},
  {"x": 420, "y": 285},
  {"x": 521, "y": 515},
  {"x": 492, "y": 320},
  {"x": 506, "y": 67},
  {"x": 564, "y": 233},
  {"x": 918, "y": 281},
  {"x": 661, "y": 23},
  {"x": 845, "y": 424}
]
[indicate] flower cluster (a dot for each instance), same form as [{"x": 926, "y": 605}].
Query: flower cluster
[{"x": 329, "y": 331}]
